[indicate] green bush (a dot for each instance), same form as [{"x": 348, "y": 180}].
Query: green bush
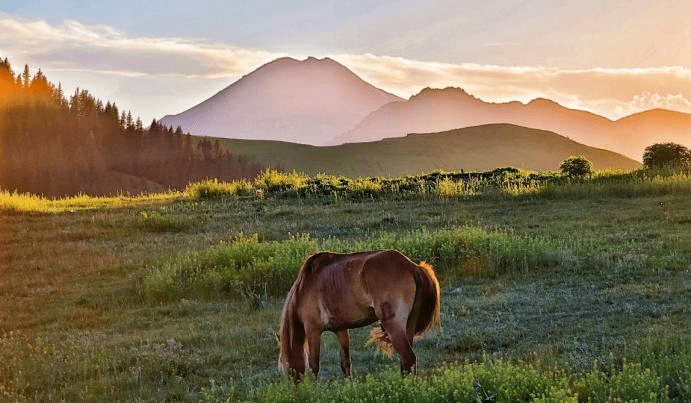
[
  {"x": 666, "y": 154},
  {"x": 576, "y": 166},
  {"x": 272, "y": 180},
  {"x": 214, "y": 188}
]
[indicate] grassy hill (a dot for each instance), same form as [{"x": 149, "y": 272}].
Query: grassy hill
[{"x": 476, "y": 148}]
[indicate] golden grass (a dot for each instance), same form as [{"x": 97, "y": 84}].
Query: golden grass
[{"x": 29, "y": 203}]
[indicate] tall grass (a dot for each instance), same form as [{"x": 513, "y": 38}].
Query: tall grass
[
  {"x": 29, "y": 203},
  {"x": 500, "y": 183},
  {"x": 214, "y": 188},
  {"x": 246, "y": 266}
]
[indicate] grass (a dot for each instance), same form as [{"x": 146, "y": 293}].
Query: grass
[
  {"x": 577, "y": 292},
  {"x": 23, "y": 202}
]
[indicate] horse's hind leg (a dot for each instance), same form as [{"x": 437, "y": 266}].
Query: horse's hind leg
[
  {"x": 344, "y": 340},
  {"x": 395, "y": 326}
]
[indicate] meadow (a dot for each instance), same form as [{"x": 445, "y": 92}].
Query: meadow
[{"x": 554, "y": 288}]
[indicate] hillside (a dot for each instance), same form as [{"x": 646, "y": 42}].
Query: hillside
[
  {"x": 309, "y": 101},
  {"x": 434, "y": 110},
  {"x": 477, "y": 148}
]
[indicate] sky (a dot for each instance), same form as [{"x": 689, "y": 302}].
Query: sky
[{"x": 158, "y": 57}]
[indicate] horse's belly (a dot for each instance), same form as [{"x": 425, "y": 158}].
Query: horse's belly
[{"x": 345, "y": 314}]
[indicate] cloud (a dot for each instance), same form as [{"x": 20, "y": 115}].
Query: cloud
[
  {"x": 649, "y": 100},
  {"x": 72, "y": 49},
  {"x": 75, "y": 46}
]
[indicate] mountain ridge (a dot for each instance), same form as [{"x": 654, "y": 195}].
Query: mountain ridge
[
  {"x": 321, "y": 102},
  {"x": 434, "y": 110}
]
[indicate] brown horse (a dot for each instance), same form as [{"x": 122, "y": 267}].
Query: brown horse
[{"x": 337, "y": 292}]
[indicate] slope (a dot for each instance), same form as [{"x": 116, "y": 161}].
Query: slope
[{"x": 476, "y": 148}]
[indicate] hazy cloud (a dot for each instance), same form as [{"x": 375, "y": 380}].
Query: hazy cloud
[
  {"x": 76, "y": 46},
  {"x": 72, "y": 48}
]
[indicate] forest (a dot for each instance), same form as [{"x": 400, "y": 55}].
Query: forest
[{"x": 55, "y": 146}]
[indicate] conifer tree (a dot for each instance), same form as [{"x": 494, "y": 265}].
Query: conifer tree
[{"x": 26, "y": 76}]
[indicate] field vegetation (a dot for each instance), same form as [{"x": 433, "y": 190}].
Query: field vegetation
[{"x": 555, "y": 287}]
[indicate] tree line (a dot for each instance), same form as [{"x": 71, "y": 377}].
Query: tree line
[{"x": 55, "y": 145}]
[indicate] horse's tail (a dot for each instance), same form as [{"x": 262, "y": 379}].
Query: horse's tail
[
  {"x": 425, "y": 313},
  {"x": 381, "y": 339}
]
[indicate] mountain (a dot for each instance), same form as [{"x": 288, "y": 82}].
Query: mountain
[
  {"x": 478, "y": 148},
  {"x": 309, "y": 101},
  {"x": 434, "y": 110}
]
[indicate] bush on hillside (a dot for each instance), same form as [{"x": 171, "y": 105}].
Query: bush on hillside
[
  {"x": 577, "y": 166},
  {"x": 666, "y": 155}
]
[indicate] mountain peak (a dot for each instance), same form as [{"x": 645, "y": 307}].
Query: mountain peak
[
  {"x": 543, "y": 101},
  {"x": 307, "y": 101},
  {"x": 448, "y": 92}
]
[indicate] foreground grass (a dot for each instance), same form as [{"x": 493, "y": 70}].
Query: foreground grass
[
  {"x": 490, "y": 380},
  {"x": 577, "y": 295}
]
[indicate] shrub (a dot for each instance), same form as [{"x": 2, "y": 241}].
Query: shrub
[
  {"x": 577, "y": 166},
  {"x": 364, "y": 187},
  {"x": 272, "y": 180},
  {"x": 214, "y": 188},
  {"x": 666, "y": 154}
]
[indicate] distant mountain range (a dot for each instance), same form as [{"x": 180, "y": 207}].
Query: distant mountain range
[
  {"x": 478, "y": 148},
  {"x": 434, "y": 110},
  {"x": 320, "y": 102}
]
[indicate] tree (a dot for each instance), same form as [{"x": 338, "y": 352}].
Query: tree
[
  {"x": 27, "y": 76},
  {"x": 577, "y": 166},
  {"x": 666, "y": 154}
]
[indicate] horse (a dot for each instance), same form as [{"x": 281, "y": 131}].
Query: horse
[{"x": 336, "y": 292}]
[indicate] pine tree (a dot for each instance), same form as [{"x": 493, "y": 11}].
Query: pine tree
[
  {"x": 129, "y": 122},
  {"x": 27, "y": 77},
  {"x": 139, "y": 126}
]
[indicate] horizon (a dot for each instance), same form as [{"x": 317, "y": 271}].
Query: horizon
[{"x": 600, "y": 56}]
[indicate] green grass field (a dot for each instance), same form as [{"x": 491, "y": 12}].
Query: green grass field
[{"x": 552, "y": 290}]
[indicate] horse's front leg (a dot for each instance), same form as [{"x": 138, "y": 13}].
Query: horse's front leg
[
  {"x": 313, "y": 344},
  {"x": 344, "y": 340}
]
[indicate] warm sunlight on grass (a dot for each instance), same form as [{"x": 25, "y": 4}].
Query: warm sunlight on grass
[
  {"x": 497, "y": 184},
  {"x": 28, "y": 203}
]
